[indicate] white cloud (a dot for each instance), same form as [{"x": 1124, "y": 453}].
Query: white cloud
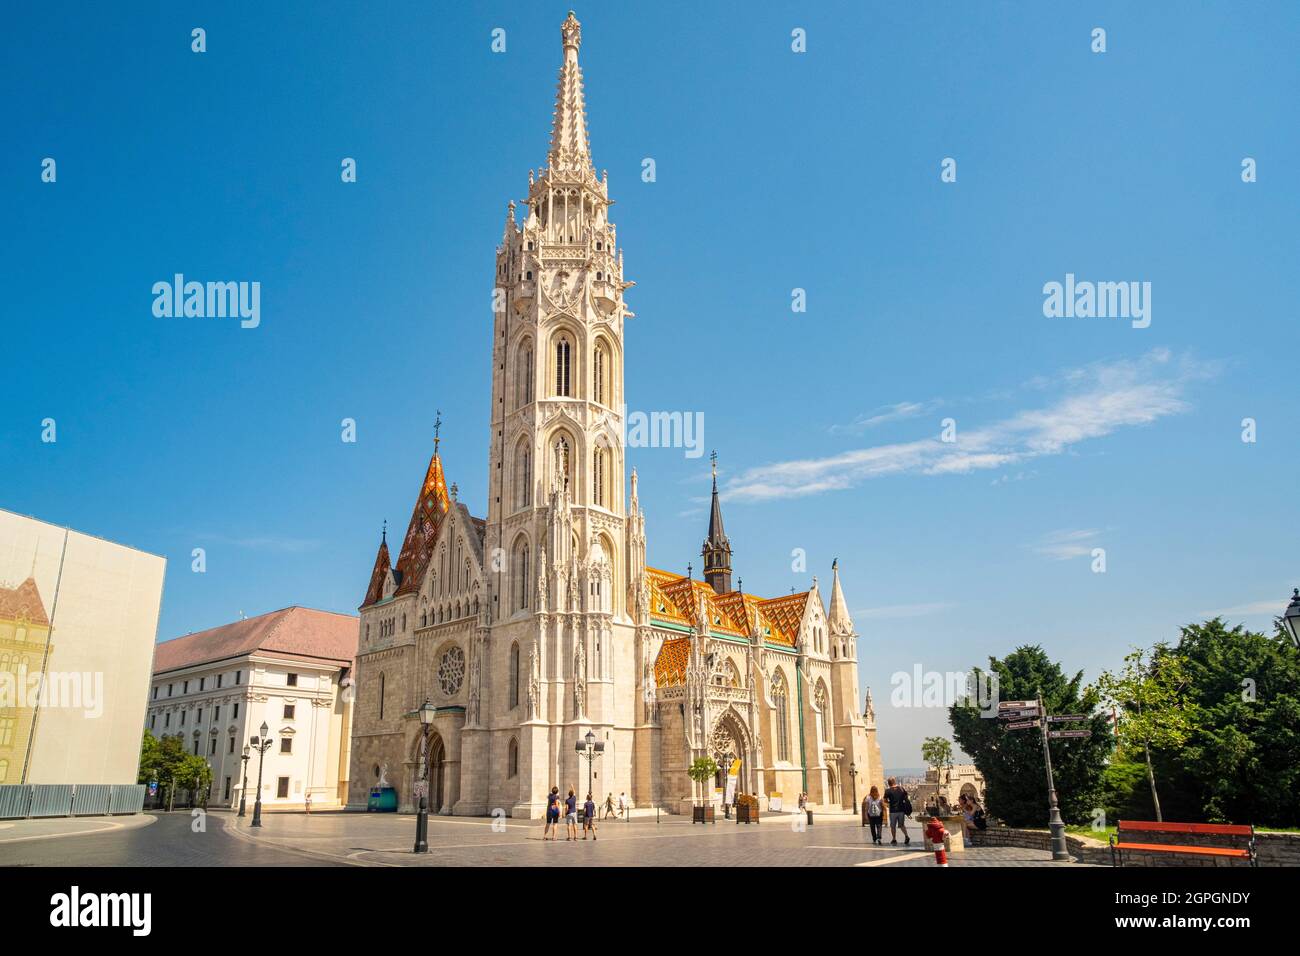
[
  {"x": 1064, "y": 545},
  {"x": 1268, "y": 608},
  {"x": 1098, "y": 400},
  {"x": 886, "y": 413}
]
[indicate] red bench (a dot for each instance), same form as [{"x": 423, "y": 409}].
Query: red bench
[{"x": 1164, "y": 837}]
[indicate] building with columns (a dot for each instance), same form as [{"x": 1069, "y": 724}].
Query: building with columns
[{"x": 541, "y": 622}]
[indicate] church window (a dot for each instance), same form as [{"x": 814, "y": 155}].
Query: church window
[
  {"x": 562, "y": 470},
  {"x": 514, "y": 674},
  {"x": 381, "y": 696},
  {"x": 598, "y": 477},
  {"x": 781, "y": 710},
  {"x": 824, "y": 714},
  {"x": 451, "y": 671},
  {"x": 563, "y": 368},
  {"x": 521, "y": 576},
  {"x": 512, "y": 760},
  {"x": 602, "y": 374},
  {"x": 524, "y": 477}
]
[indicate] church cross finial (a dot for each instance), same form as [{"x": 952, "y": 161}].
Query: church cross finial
[
  {"x": 385, "y": 531},
  {"x": 437, "y": 427}
]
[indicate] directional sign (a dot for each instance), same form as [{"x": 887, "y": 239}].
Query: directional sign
[
  {"x": 1017, "y": 704},
  {"x": 1069, "y": 733},
  {"x": 1023, "y": 725},
  {"x": 1018, "y": 714},
  {"x": 1066, "y": 718}
]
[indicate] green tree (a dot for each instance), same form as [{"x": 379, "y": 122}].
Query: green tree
[
  {"x": 702, "y": 769},
  {"x": 1012, "y": 760},
  {"x": 1149, "y": 694},
  {"x": 1241, "y": 759},
  {"x": 166, "y": 761},
  {"x": 937, "y": 752}
]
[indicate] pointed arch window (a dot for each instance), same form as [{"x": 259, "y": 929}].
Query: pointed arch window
[
  {"x": 521, "y": 576},
  {"x": 512, "y": 759},
  {"x": 601, "y": 370},
  {"x": 524, "y": 380},
  {"x": 381, "y": 696},
  {"x": 781, "y": 712},
  {"x": 822, "y": 699},
  {"x": 524, "y": 479},
  {"x": 563, "y": 367},
  {"x": 562, "y": 469},
  {"x": 599, "y": 466}
]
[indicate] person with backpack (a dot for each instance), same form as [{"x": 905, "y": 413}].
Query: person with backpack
[
  {"x": 900, "y": 808},
  {"x": 873, "y": 808}
]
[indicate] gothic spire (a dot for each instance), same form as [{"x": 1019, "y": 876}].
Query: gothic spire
[
  {"x": 717, "y": 546},
  {"x": 570, "y": 148},
  {"x": 838, "y": 619}
]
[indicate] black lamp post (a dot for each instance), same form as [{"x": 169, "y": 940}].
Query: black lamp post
[
  {"x": 243, "y": 791},
  {"x": 853, "y": 777},
  {"x": 426, "y": 712},
  {"x": 591, "y": 748},
  {"x": 1292, "y": 617},
  {"x": 261, "y": 744}
]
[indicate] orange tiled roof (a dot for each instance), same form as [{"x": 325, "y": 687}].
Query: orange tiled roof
[
  {"x": 670, "y": 665},
  {"x": 675, "y": 599},
  {"x": 422, "y": 533}
]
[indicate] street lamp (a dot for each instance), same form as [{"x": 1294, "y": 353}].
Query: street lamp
[
  {"x": 426, "y": 712},
  {"x": 261, "y": 744},
  {"x": 1292, "y": 617},
  {"x": 853, "y": 777},
  {"x": 244, "y": 789},
  {"x": 591, "y": 748}
]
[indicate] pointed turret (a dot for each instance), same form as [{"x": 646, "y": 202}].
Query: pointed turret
[
  {"x": 838, "y": 619},
  {"x": 570, "y": 148},
  {"x": 717, "y": 546},
  {"x": 431, "y": 508},
  {"x": 383, "y": 567}
]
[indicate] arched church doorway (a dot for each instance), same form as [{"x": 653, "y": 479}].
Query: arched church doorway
[
  {"x": 728, "y": 746},
  {"x": 437, "y": 774}
]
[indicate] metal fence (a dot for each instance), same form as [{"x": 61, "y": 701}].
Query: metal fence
[{"x": 18, "y": 801}]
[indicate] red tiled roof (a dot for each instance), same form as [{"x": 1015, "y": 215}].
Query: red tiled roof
[
  {"x": 301, "y": 632},
  {"x": 23, "y": 603},
  {"x": 670, "y": 665}
]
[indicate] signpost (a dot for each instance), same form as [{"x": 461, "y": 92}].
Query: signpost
[
  {"x": 1023, "y": 725},
  {"x": 1069, "y": 733},
  {"x": 1067, "y": 718}
]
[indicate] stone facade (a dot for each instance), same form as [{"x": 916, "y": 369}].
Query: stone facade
[{"x": 529, "y": 629}]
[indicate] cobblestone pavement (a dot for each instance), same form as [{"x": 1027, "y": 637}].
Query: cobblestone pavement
[
  {"x": 358, "y": 839},
  {"x": 387, "y": 840}
]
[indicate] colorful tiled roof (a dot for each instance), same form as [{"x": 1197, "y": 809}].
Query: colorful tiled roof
[
  {"x": 674, "y": 599},
  {"x": 422, "y": 533},
  {"x": 383, "y": 564},
  {"x": 23, "y": 603},
  {"x": 670, "y": 665},
  {"x": 300, "y": 633}
]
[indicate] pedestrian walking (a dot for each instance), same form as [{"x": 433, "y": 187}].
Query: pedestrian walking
[
  {"x": 609, "y": 805},
  {"x": 900, "y": 808},
  {"x": 873, "y": 808},
  {"x": 589, "y": 818},
  {"x": 571, "y": 815},
  {"x": 622, "y": 804}
]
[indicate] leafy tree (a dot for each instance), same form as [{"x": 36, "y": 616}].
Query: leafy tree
[
  {"x": 702, "y": 769},
  {"x": 937, "y": 752},
  {"x": 1012, "y": 760},
  {"x": 1149, "y": 694},
  {"x": 166, "y": 761},
  {"x": 1241, "y": 758}
]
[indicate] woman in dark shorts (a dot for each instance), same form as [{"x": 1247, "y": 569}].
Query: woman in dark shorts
[{"x": 552, "y": 813}]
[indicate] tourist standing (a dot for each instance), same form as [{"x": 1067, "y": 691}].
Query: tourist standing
[
  {"x": 900, "y": 806},
  {"x": 571, "y": 815},
  {"x": 873, "y": 808},
  {"x": 552, "y": 813},
  {"x": 589, "y": 818}
]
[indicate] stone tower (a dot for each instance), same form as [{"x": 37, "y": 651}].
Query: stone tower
[
  {"x": 855, "y": 732},
  {"x": 717, "y": 546}
]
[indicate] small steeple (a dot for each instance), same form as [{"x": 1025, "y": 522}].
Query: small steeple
[
  {"x": 717, "y": 546},
  {"x": 838, "y": 619},
  {"x": 570, "y": 148}
]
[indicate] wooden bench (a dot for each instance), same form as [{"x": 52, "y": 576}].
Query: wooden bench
[{"x": 1165, "y": 836}]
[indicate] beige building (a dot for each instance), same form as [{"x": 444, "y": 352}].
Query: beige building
[
  {"x": 540, "y": 623},
  {"x": 290, "y": 669},
  {"x": 78, "y": 620}
]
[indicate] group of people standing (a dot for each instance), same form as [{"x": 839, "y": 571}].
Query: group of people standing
[{"x": 557, "y": 806}]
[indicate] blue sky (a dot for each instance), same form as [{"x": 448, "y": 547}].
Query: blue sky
[{"x": 775, "y": 171}]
